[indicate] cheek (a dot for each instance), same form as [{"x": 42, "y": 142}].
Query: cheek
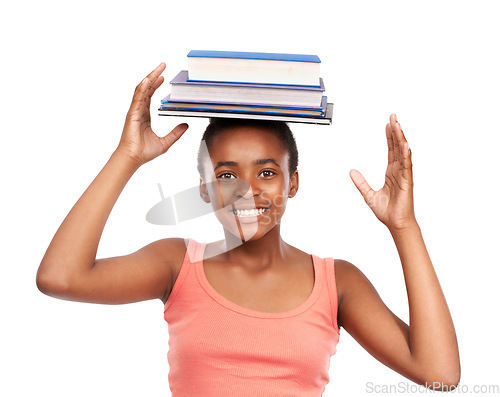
[
  {"x": 282, "y": 201},
  {"x": 223, "y": 194},
  {"x": 216, "y": 198},
  {"x": 276, "y": 197}
]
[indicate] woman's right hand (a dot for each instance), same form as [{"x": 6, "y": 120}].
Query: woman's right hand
[{"x": 138, "y": 141}]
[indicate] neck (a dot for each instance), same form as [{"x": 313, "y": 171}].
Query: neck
[{"x": 257, "y": 254}]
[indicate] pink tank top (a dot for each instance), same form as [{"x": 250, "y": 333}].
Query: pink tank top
[{"x": 218, "y": 348}]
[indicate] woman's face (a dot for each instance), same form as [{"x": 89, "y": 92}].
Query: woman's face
[{"x": 249, "y": 181}]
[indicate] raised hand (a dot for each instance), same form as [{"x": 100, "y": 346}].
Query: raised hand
[
  {"x": 138, "y": 139},
  {"x": 393, "y": 203}
]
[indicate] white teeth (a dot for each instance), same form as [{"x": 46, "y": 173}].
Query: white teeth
[{"x": 249, "y": 213}]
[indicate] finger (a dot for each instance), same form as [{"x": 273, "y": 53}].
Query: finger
[
  {"x": 139, "y": 95},
  {"x": 158, "y": 83},
  {"x": 153, "y": 75},
  {"x": 405, "y": 154},
  {"x": 398, "y": 124},
  {"x": 399, "y": 138},
  {"x": 157, "y": 71},
  {"x": 169, "y": 139},
  {"x": 407, "y": 164},
  {"x": 390, "y": 143},
  {"x": 364, "y": 188},
  {"x": 143, "y": 91},
  {"x": 153, "y": 78},
  {"x": 151, "y": 90}
]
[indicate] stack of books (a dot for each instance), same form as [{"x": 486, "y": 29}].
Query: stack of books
[{"x": 254, "y": 85}]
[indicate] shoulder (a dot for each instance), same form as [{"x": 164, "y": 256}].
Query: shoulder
[
  {"x": 171, "y": 253},
  {"x": 349, "y": 279},
  {"x": 170, "y": 250},
  {"x": 345, "y": 268}
]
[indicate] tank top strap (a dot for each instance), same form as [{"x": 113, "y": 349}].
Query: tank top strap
[
  {"x": 332, "y": 289},
  {"x": 193, "y": 254},
  {"x": 194, "y": 250}
]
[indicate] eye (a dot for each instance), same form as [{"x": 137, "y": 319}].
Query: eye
[
  {"x": 268, "y": 173},
  {"x": 225, "y": 174}
]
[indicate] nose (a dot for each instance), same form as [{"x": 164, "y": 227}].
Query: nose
[{"x": 246, "y": 190}]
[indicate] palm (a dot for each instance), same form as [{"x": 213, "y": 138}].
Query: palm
[
  {"x": 393, "y": 203},
  {"x": 144, "y": 141}
]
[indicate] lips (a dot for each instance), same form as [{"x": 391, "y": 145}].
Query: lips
[
  {"x": 250, "y": 211},
  {"x": 248, "y": 214},
  {"x": 249, "y": 207}
]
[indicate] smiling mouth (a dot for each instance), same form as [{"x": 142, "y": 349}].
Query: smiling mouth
[{"x": 250, "y": 213}]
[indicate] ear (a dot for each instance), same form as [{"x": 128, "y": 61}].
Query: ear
[
  {"x": 294, "y": 184},
  {"x": 204, "y": 192}
]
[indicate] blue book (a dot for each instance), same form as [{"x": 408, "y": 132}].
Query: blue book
[
  {"x": 184, "y": 90},
  {"x": 254, "y": 67},
  {"x": 268, "y": 56},
  {"x": 325, "y": 119},
  {"x": 167, "y": 104}
]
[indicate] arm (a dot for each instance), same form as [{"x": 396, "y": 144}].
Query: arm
[
  {"x": 69, "y": 269},
  {"x": 426, "y": 351}
]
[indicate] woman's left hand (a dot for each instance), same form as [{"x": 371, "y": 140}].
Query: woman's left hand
[{"x": 393, "y": 203}]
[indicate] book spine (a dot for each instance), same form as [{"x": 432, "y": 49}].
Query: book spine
[{"x": 264, "y": 56}]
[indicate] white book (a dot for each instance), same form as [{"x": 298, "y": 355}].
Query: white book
[
  {"x": 183, "y": 89},
  {"x": 254, "y": 67}
]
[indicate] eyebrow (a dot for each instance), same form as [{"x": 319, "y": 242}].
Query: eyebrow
[{"x": 256, "y": 162}]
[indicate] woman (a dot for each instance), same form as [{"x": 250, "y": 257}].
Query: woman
[{"x": 252, "y": 314}]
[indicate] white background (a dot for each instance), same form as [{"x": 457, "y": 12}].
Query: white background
[{"x": 68, "y": 72}]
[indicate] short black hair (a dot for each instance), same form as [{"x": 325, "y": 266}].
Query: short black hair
[{"x": 279, "y": 128}]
